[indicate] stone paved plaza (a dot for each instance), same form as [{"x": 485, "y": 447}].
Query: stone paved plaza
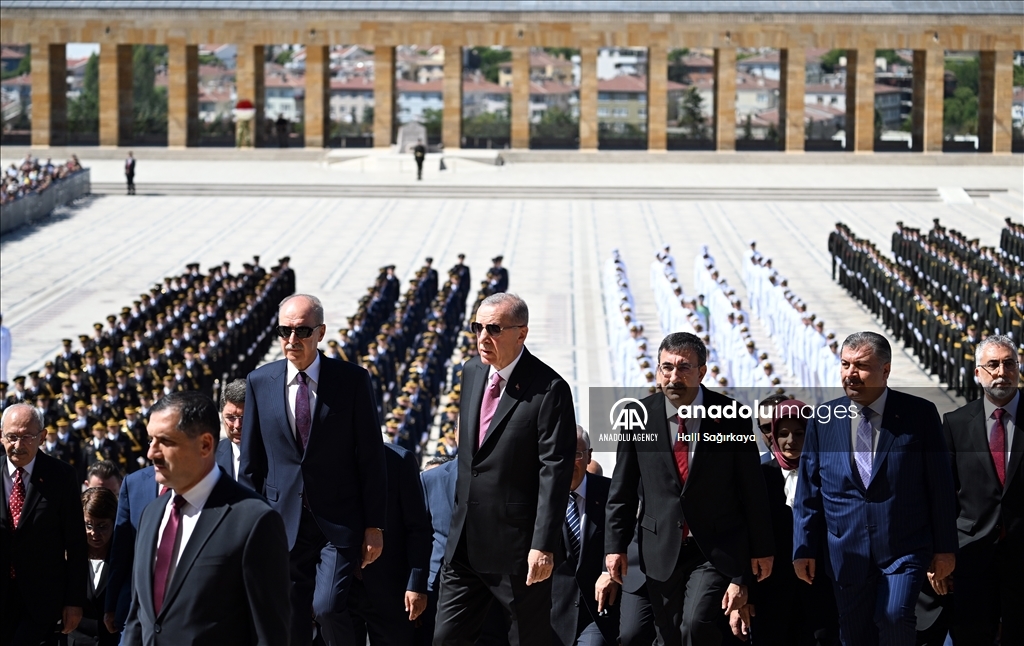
[{"x": 90, "y": 259}]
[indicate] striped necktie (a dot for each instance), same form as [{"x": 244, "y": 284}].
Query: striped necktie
[{"x": 572, "y": 519}]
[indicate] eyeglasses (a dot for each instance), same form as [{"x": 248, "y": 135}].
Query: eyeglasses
[
  {"x": 579, "y": 455},
  {"x": 493, "y": 329},
  {"x": 302, "y": 332},
  {"x": 765, "y": 428},
  {"x": 667, "y": 368},
  {"x": 89, "y": 527},
  {"x": 232, "y": 419},
  {"x": 27, "y": 438},
  {"x": 1008, "y": 365}
]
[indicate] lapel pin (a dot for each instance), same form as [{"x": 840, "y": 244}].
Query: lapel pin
[{"x": 517, "y": 386}]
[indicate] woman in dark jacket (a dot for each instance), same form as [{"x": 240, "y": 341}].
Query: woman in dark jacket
[{"x": 100, "y": 507}]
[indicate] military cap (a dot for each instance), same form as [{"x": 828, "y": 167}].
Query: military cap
[
  {"x": 113, "y": 423},
  {"x": 97, "y": 326},
  {"x": 63, "y": 422},
  {"x": 100, "y": 426},
  {"x": 19, "y": 379},
  {"x": 66, "y": 341},
  {"x": 129, "y": 410},
  {"x": 111, "y": 318}
]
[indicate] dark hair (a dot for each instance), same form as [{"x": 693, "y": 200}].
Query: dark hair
[
  {"x": 438, "y": 461},
  {"x": 104, "y": 469},
  {"x": 677, "y": 342},
  {"x": 197, "y": 414},
  {"x": 879, "y": 344},
  {"x": 99, "y": 502},
  {"x": 234, "y": 392}
]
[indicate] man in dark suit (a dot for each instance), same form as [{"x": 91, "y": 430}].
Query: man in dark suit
[
  {"x": 874, "y": 487},
  {"x": 986, "y": 442},
  {"x": 393, "y": 591},
  {"x": 129, "y": 172},
  {"x": 138, "y": 490},
  {"x": 517, "y": 437},
  {"x": 419, "y": 154},
  {"x": 311, "y": 444},
  {"x": 575, "y": 618},
  {"x": 212, "y": 566},
  {"x": 42, "y": 536},
  {"x": 232, "y": 411},
  {"x": 438, "y": 481},
  {"x": 705, "y": 532}
]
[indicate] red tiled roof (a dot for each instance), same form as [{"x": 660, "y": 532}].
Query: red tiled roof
[
  {"x": 7, "y": 52},
  {"x": 24, "y": 79},
  {"x": 473, "y": 86},
  {"x": 355, "y": 83},
  {"x": 551, "y": 87},
  {"x": 404, "y": 85}
]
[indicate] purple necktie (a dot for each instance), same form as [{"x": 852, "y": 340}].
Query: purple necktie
[
  {"x": 862, "y": 453},
  {"x": 489, "y": 405},
  {"x": 997, "y": 445},
  {"x": 165, "y": 554},
  {"x": 302, "y": 417}
]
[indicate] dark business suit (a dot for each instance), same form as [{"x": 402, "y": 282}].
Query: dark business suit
[
  {"x": 47, "y": 551},
  {"x": 377, "y": 603},
  {"x": 230, "y": 585},
  {"x": 328, "y": 494},
  {"x": 137, "y": 491},
  {"x": 879, "y": 540},
  {"x": 788, "y": 610},
  {"x": 511, "y": 498},
  {"x": 91, "y": 630},
  {"x": 723, "y": 503},
  {"x": 573, "y": 606},
  {"x": 224, "y": 458},
  {"x": 636, "y": 616},
  {"x": 990, "y": 526}
]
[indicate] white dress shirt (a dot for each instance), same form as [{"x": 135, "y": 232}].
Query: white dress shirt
[
  {"x": 312, "y": 380},
  {"x": 235, "y": 454},
  {"x": 692, "y": 424},
  {"x": 877, "y": 411},
  {"x": 505, "y": 373},
  {"x": 1009, "y": 423},
  {"x": 9, "y": 478},
  {"x": 195, "y": 500}
]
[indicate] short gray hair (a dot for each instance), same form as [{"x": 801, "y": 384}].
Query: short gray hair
[
  {"x": 879, "y": 344},
  {"x": 36, "y": 415},
  {"x": 318, "y": 307},
  {"x": 582, "y": 434},
  {"x": 234, "y": 392},
  {"x": 997, "y": 340},
  {"x": 515, "y": 306}
]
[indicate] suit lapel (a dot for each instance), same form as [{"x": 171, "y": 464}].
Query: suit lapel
[
  {"x": 660, "y": 425},
  {"x": 5, "y": 520},
  {"x": 517, "y": 384},
  {"x": 978, "y": 441},
  {"x": 212, "y": 515},
  {"x": 1018, "y": 443},
  {"x": 33, "y": 486},
  {"x": 470, "y": 422},
  {"x": 890, "y": 419},
  {"x": 280, "y": 384},
  {"x": 148, "y": 530},
  {"x": 594, "y": 506}
]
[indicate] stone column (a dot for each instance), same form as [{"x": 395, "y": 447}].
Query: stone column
[
  {"x": 116, "y": 110},
  {"x": 451, "y": 94},
  {"x": 929, "y": 72},
  {"x": 793, "y": 68},
  {"x": 249, "y": 81},
  {"x": 588, "y": 98},
  {"x": 520, "y": 97},
  {"x": 182, "y": 95},
  {"x": 317, "y": 124},
  {"x": 49, "y": 95},
  {"x": 657, "y": 97},
  {"x": 725, "y": 100},
  {"x": 995, "y": 102},
  {"x": 383, "y": 95},
  {"x": 860, "y": 100}
]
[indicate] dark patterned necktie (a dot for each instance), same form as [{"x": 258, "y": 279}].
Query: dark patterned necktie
[
  {"x": 302, "y": 416},
  {"x": 572, "y": 519}
]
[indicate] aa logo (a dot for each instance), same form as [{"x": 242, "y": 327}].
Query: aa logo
[{"x": 628, "y": 419}]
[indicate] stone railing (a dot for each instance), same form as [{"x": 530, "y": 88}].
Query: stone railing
[{"x": 39, "y": 205}]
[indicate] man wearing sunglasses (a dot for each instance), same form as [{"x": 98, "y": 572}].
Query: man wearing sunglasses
[
  {"x": 517, "y": 440},
  {"x": 311, "y": 444}
]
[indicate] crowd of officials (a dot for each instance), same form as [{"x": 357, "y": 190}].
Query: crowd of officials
[
  {"x": 314, "y": 523},
  {"x": 941, "y": 294}
]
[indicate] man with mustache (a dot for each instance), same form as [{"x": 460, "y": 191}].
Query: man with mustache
[
  {"x": 875, "y": 490},
  {"x": 986, "y": 443}
]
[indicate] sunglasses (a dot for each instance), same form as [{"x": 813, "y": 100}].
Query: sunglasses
[
  {"x": 303, "y": 332},
  {"x": 493, "y": 329}
]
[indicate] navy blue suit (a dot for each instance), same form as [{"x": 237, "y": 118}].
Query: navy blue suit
[
  {"x": 224, "y": 458},
  {"x": 879, "y": 540},
  {"x": 439, "y": 496},
  {"x": 138, "y": 490},
  {"x": 327, "y": 494},
  {"x": 379, "y": 601}
]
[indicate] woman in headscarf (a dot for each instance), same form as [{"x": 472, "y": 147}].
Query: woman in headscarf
[{"x": 787, "y": 610}]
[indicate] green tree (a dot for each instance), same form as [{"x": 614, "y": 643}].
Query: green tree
[
  {"x": 960, "y": 113},
  {"x": 490, "y": 125},
  {"x": 555, "y": 123},
  {"x": 830, "y": 60},
  {"x": 879, "y": 124},
  {"x": 432, "y": 120},
  {"x": 24, "y": 65},
  {"x": 676, "y": 56},
  {"x": 748, "y": 129},
  {"x": 149, "y": 103},
  {"x": 693, "y": 118},
  {"x": 210, "y": 60},
  {"x": 565, "y": 52},
  {"x": 84, "y": 111},
  {"x": 889, "y": 55},
  {"x": 491, "y": 60},
  {"x": 1018, "y": 75},
  {"x": 772, "y": 134},
  {"x": 967, "y": 73},
  {"x": 284, "y": 56}
]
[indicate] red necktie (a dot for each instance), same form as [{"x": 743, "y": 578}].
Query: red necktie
[
  {"x": 16, "y": 503},
  {"x": 165, "y": 554},
  {"x": 681, "y": 450},
  {"x": 997, "y": 445},
  {"x": 489, "y": 406}
]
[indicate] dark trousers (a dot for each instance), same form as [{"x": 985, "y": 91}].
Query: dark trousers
[
  {"x": 988, "y": 588},
  {"x": 419, "y": 169},
  {"x": 23, "y": 624},
  {"x": 131, "y": 183},
  {"x": 636, "y": 618},
  {"x": 321, "y": 576},
  {"x": 881, "y": 610},
  {"x": 495, "y": 630},
  {"x": 467, "y": 597},
  {"x": 688, "y": 606},
  {"x": 385, "y": 626}
]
